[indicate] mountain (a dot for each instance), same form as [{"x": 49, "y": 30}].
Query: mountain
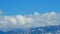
[
  {"x": 44, "y": 30},
  {"x": 38, "y": 30}
]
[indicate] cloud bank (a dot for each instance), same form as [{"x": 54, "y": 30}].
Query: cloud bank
[{"x": 29, "y": 21}]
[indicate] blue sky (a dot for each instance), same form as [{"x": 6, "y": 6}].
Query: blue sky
[
  {"x": 13, "y": 7},
  {"x": 26, "y": 9}
]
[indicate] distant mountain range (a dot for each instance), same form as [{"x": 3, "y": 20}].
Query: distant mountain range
[{"x": 38, "y": 30}]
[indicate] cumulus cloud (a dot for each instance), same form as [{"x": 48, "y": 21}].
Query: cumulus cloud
[{"x": 29, "y": 21}]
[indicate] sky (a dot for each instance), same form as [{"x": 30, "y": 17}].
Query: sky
[
  {"x": 25, "y": 14},
  {"x": 14, "y": 7}
]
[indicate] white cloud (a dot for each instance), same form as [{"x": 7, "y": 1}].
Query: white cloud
[{"x": 36, "y": 20}]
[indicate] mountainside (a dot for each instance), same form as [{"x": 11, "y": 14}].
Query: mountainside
[
  {"x": 44, "y": 30},
  {"x": 37, "y": 30}
]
